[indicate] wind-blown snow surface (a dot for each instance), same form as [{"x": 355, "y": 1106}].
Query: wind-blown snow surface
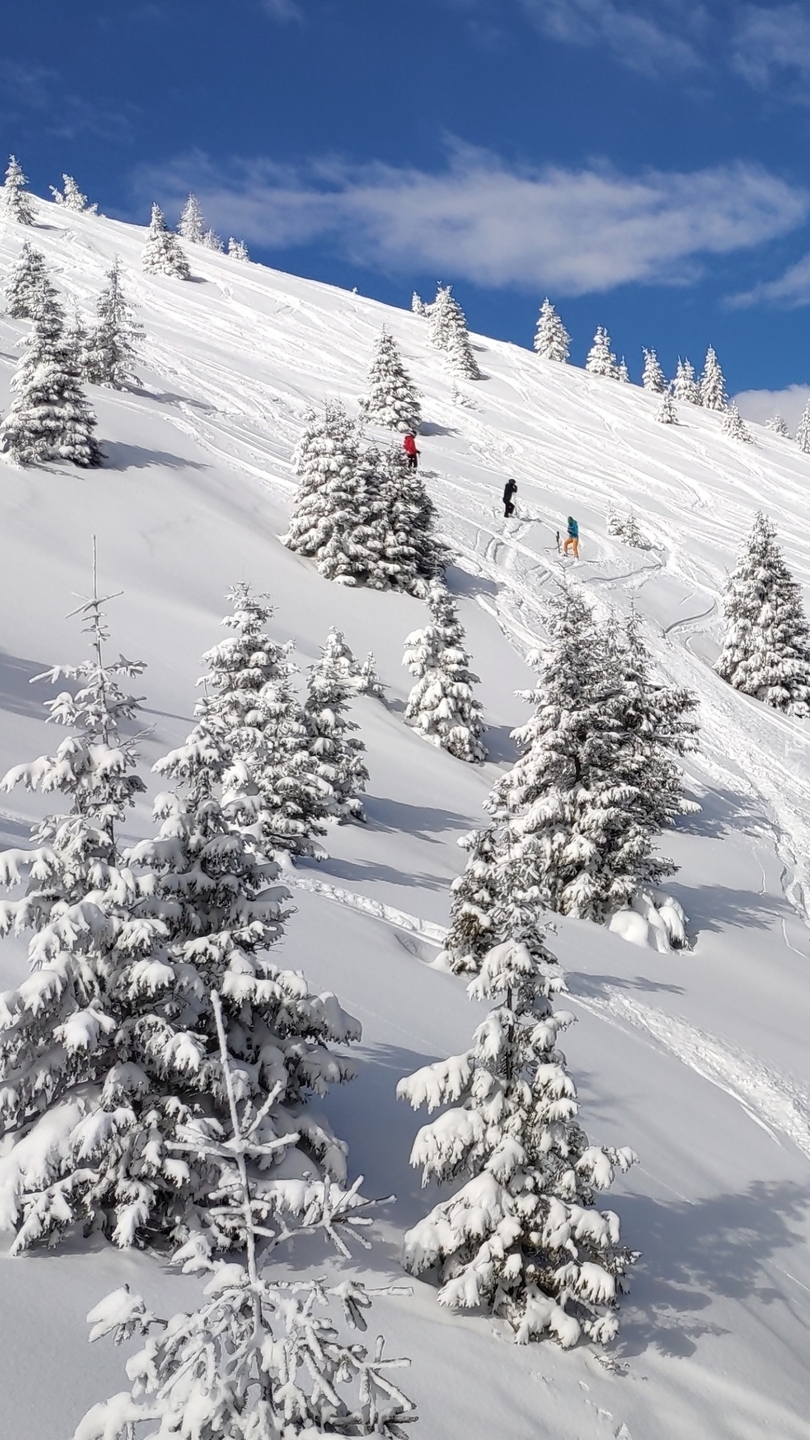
[{"x": 699, "y": 1060}]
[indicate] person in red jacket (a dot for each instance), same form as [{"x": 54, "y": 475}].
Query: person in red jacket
[{"x": 409, "y": 446}]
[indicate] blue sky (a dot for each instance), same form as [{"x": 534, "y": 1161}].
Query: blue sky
[{"x": 644, "y": 162}]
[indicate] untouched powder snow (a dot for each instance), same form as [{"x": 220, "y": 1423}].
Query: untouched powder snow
[{"x": 698, "y": 1059}]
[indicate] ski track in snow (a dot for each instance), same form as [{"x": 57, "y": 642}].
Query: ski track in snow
[
  {"x": 771, "y": 1100},
  {"x": 388, "y": 914}
]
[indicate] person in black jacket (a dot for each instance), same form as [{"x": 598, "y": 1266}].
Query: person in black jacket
[{"x": 509, "y": 491}]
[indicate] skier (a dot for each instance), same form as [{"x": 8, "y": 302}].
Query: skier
[
  {"x": 572, "y": 538},
  {"x": 409, "y": 446},
  {"x": 509, "y": 490}
]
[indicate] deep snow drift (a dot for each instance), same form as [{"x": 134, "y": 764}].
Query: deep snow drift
[{"x": 698, "y": 1060}]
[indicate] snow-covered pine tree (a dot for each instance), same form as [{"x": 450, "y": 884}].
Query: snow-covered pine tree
[
  {"x": 734, "y": 425},
  {"x": 622, "y": 372},
  {"x": 448, "y": 332},
  {"x": 712, "y": 383},
  {"x": 109, "y": 1051},
  {"x": 16, "y": 201},
  {"x": 238, "y": 250},
  {"x": 342, "y": 658},
  {"x": 364, "y": 516},
  {"x": 50, "y": 417},
  {"x": 212, "y": 241},
  {"x": 625, "y": 528},
  {"x": 601, "y": 360},
  {"x": 111, "y": 350},
  {"x": 367, "y": 681},
  {"x": 403, "y": 517},
  {"x": 330, "y": 498},
  {"x": 653, "y": 377},
  {"x": 25, "y": 282},
  {"x": 551, "y": 341},
  {"x": 191, "y": 225},
  {"x": 521, "y": 1236},
  {"x": 418, "y": 305},
  {"x": 766, "y": 641},
  {"x": 56, "y": 1029},
  {"x": 162, "y": 253},
  {"x": 779, "y": 426},
  {"x": 666, "y": 414},
  {"x": 257, "y": 1358},
  {"x": 336, "y": 748},
  {"x": 72, "y": 198},
  {"x": 392, "y": 399},
  {"x": 558, "y": 805},
  {"x": 77, "y": 340},
  {"x": 442, "y": 706},
  {"x": 250, "y": 705},
  {"x": 470, "y": 934},
  {"x": 803, "y": 432},
  {"x": 654, "y": 726},
  {"x": 685, "y": 387}
]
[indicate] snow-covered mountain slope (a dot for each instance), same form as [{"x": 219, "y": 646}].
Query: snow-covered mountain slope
[{"x": 698, "y": 1060}]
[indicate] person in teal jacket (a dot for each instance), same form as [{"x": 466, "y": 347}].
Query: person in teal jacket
[{"x": 572, "y": 538}]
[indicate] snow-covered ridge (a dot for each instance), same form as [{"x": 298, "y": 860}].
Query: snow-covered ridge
[{"x": 704, "y": 1069}]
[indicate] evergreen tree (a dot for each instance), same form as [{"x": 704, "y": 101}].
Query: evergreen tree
[
  {"x": 521, "y": 1236},
  {"x": 111, "y": 350},
  {"x": 625, "y": 528},
  {"x": 15, "y": 198},
  {"x": 403, "y": 520},
  {"x": 162, "y": 254},
  {"x": 712, "y": 383},
  {"x": 77, "y": 341},
  {"x": 654, "y": 726},
  {"x": 666, "y": 413},
  {"x": 72, "y": 198},
  {"x": 367, "y": 681},
  {"x": 212, "y": 241},
  {"x": 418, "y": 305},
  {"x": 601, "y": 360},
  {"x": 448, "y": 332},
  {"x": 803, "y": 432},
  {"x": 257, "y": 1360},
  {"x": 50, "y": 417},
  {"x": 779, "y": 426},
  {"x": 766, "y": 643},
  {"x": 251, "y": 707},
  {"x": 392, "y": 399},
  {"x": 108, "y": 1053},
  {"x": 653, "y": 377},
  {"x": 564, "y": 805},
  {"x": 24, "y": 286},
  {"x": 734, "y": 425},
  {"x": 622, "y": 372},
  {"x": 191, "y": 225},
  {"x": 442, "y": 706},
  {"x": 551, "y": 341},
  {"x": 238, "y": 250},
  {"x": 470, "y": 934},
  {"x": 685, "y": 386},
  {"x": 335, "y": 747},
  {"x": 362, "y": 515}
]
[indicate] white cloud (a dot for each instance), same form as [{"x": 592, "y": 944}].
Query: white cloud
[
  {"x": 770, "y": 43},
  {"x": 761, "y": 405},
  {"x": 790, "y": 290},
  {"x": 634, "y": 33},
  {"x": 576, "y": 231}
]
